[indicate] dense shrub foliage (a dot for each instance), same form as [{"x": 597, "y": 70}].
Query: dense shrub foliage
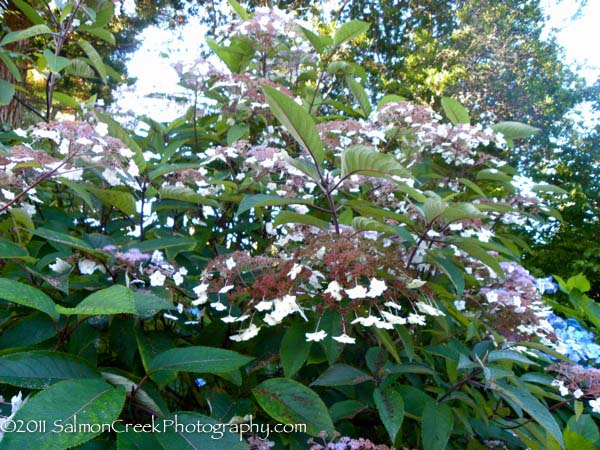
[{"x": 286, "y": 253}]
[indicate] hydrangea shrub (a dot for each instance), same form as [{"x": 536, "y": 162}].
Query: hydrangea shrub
[{"x": 287, "y": 252}]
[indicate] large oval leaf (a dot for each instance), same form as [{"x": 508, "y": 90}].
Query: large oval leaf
[
  {"x": 40, "y": 369},
  {"x": 294, "y": 349},
  {"x": 391, "y": 410},
  {"x": 515, "y": 130},
  {"x": 113, "y": 300},
  {"x": 297, "y": 122},
  {"x": 27, "y": 33},
  {"x": 291, "y": 402},
  {"x": 199, "y": 359},
  {"x": 65, "y": 412},
  {"x": 438, "y": 422},
  {"x": 341, "y": 375},
  {"x": 25, "y": 295},
  {"x": 363, "y": 160}
]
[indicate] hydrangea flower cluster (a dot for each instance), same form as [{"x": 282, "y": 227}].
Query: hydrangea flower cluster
[
  {"x": 578, "y": 381},
  {"x": 574, "y": 341},
  {"x": 339, "y": 442},
  {"x": 513, "y": 306},
  {"x": 364, "y": 282},
  {"x": 73, "y": 146}
]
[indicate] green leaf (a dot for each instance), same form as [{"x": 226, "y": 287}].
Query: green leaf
[
  {"x": 286, "y": 216},
  {"x": 11, "y": 66},
  {"x": 437, "y": 425},
  {"x": 199, "y": 359},
  {"x": 297, "y": 122},
  {"x": 305, "y": 166},
  {"x": 239, "y": 10},
  {"x": 123, "y": 201},
  {"x": 472, "y": 247},
  {"x": 167, "y": 243},
  {"x": 8, "y": 250},
  {"x": 185, "y": 194},
  {"x": 346, "y": 409},
  {"x": 29, "y": 12},
  {"x": 150, "y": 304},
  {"x": 100, "y": 33},
  {"x": 181, "y": 433},
  {"x": 73, "y": 242},
  {"x": 549, "y": 188},
  {"x": 349, "y": 31},
  {"x": 27, "y": 33},
  {"x": 113, "y": 300},
  {"x": 579, "y": 282},
  {"x": 360, "y": 159},
  {"x": 260, "y": 200},
  {"x": 389, "y": 99},
  {"x": 294, "y": 350},
  {"x": 124, "y": 136},
  {"x": 40, "y": 369},
  {"x": 508, "y": 355},
  {"x": 493, "y": 175},
  {"x": 55, "y": 63},
  {"x": 515, "y": 130},
  {"x": 7, "y": 91},
  {"x": 390, "y": 406},
  {"x": 29, "y": 330},
  {"x": 433, "y": 208},
  {"x": 360, "y": 94},
  {"x": 319, "y": 42},
  {"x": 522, "y": 398},
  {"x": 236, "y": 132},
  {"x": 79, "y": 68},
  {"x": 95, "y": 58},
  {"x": 342, "y": 375},
  {"x": 452, "y": 272},
  {"x": 66, "y": 100},
  {"x": 22, "y": 294},
  {"x": 455, "y": 112},
  {"x": 290, "y": 402},
  {"x": 62, "y": 408},
  {"x": 80, "y": 189},
  {"x": 472, "y": 186},
  {"x": 141, "y": 396},
  {"x": 582, "y": 433},
  {"x": 368, "y": 224}
]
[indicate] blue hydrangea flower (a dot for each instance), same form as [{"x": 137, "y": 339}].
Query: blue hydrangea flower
[
  {"x": 546, "y": 285},
  {"x": 200, "y": 382},
  {"x": 574, "y": 341}
]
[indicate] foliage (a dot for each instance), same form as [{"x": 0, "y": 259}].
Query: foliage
[{"x": 287, "y": 253}]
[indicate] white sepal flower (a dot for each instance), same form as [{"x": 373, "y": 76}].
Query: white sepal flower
[
  {"x": 60, "y": 266},
  {"x": 376, "y": 288},
  {"x": 334, "y": 289},
  {"x": 429, "y": 309},
  {"x": 357, "y": 292},
  {"x": 416, "y": 283},
  {"x": 344, "y": 339},
  {"x": 157, "y": 279},
  {"x": 316, "y": 336},
  {"x": 246, "y": 334}
]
